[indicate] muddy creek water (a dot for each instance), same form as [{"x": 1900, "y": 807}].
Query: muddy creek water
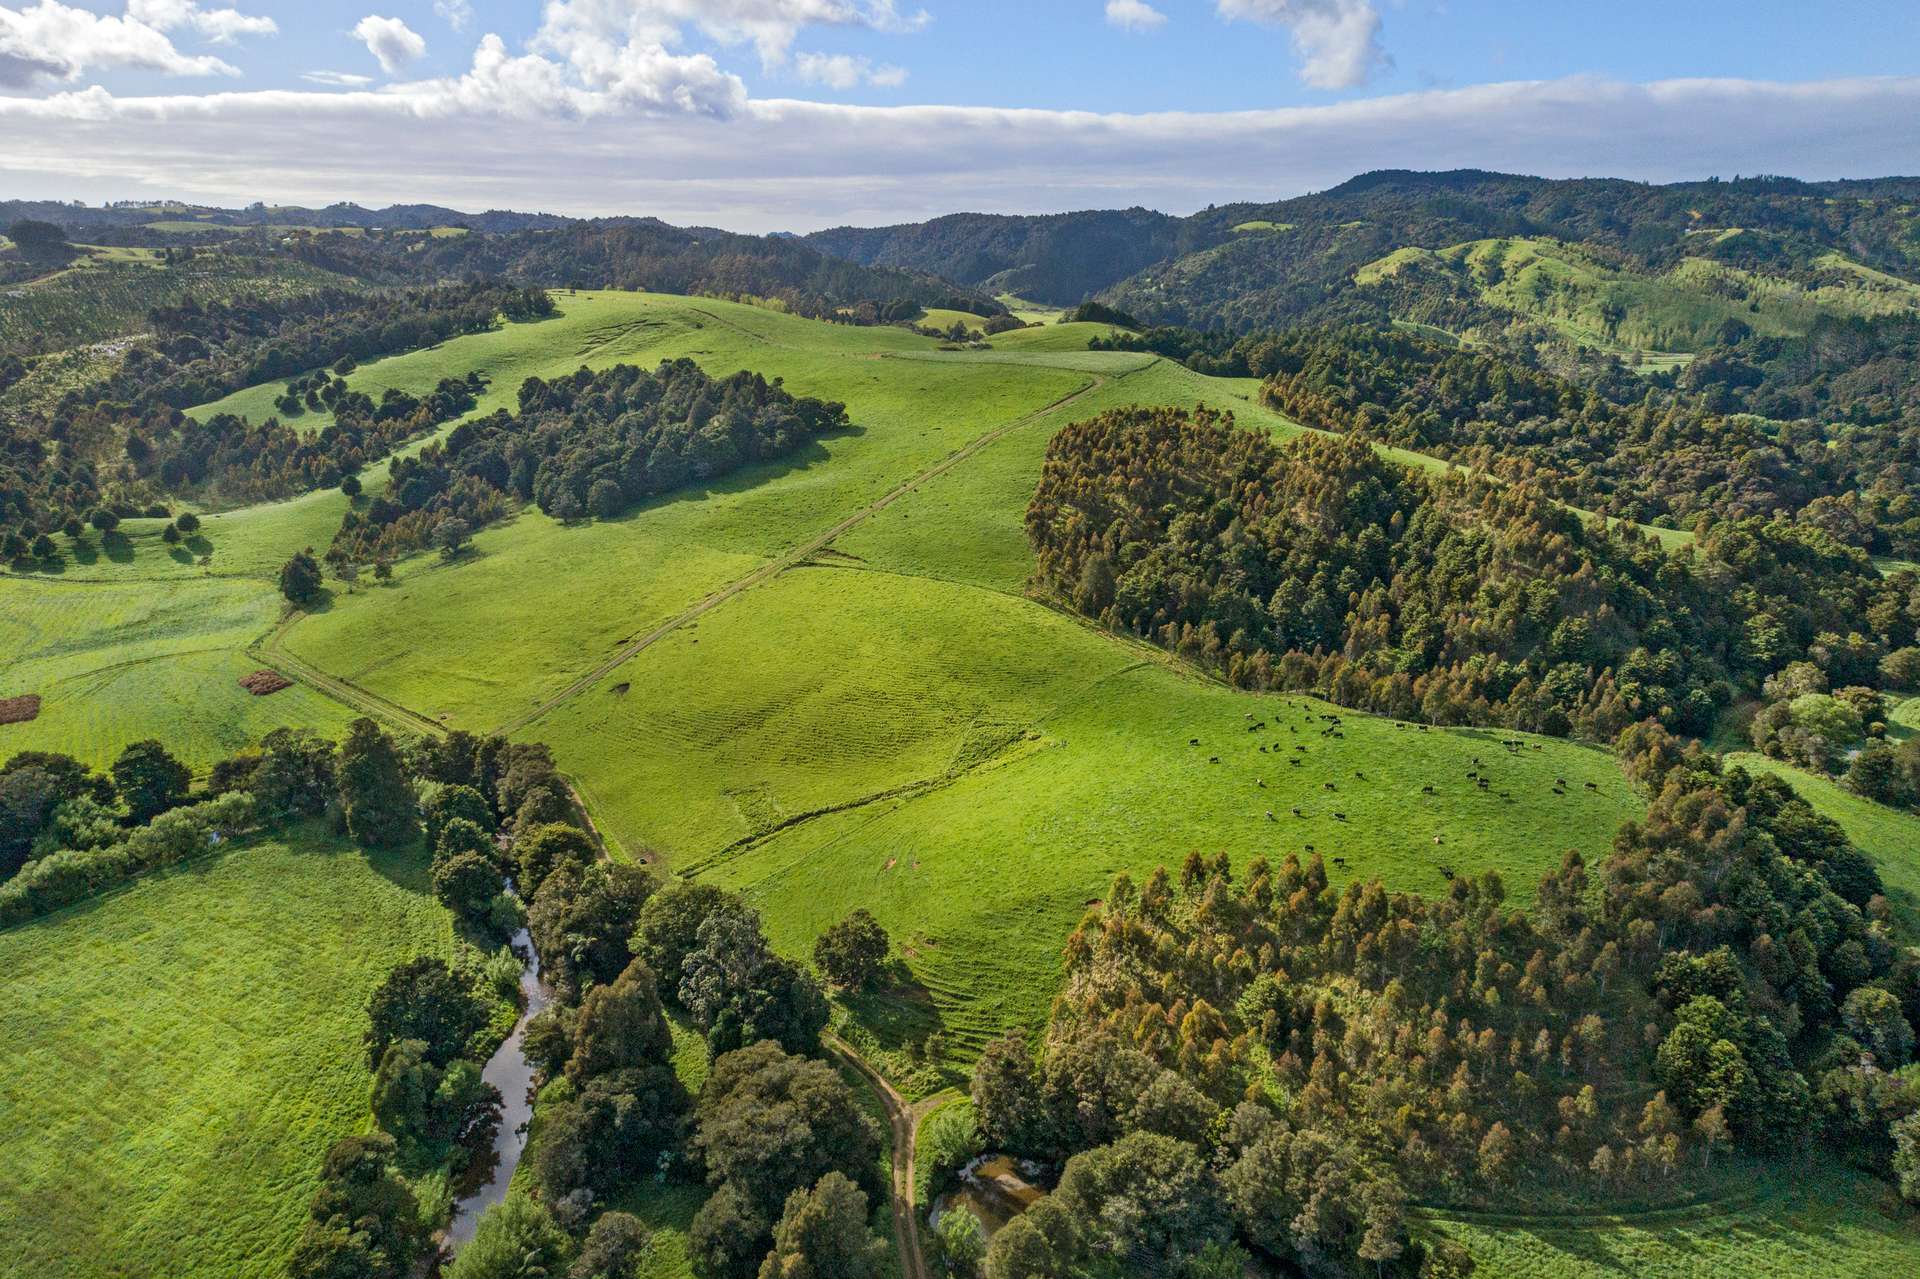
[{"x": 509, "y": 1071}]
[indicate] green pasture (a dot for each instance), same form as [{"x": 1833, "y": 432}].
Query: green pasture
[
  {"x": 115, "y": 663},
  {"x": 973, "y": 767},
  {"x": 180, "y": 1054},
  {"x": 896, "y": 698},
  {"x": 536, "y": 604},
  {"x": 1832, "y": 1223}
]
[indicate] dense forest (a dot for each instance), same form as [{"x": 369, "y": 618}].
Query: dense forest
[
  {"x": 590, "y": 444},
  {"x": 1319, "y": 566},
  {"x": 1264, "y": 1058},
  {"x": 1666, "y": 459}
]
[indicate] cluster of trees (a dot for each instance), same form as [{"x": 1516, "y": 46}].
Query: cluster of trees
[
  {"x": 1320, "y": 566},
  {"x": 1060, "y": 259},
  {"x": 429, "y": 1027},
  {"x": 1263, "y": 1060},
  {"x": 593, "y": 443},
  {"x": 1842, "y": 731},
  {"x": 124, "y": 438},
  {"x": 1666, "y": 459}
]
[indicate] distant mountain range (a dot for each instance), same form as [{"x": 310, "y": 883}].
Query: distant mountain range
[{"x": 1604, "y": 262}]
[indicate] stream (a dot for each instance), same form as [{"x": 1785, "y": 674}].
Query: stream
[{"x": 509, "y": 1071}]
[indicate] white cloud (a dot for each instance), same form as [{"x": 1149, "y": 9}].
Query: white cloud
[
  {"x": 626, "y": 80},
  {"x": 222, "y": 26},
  {"x": 54, "y": 41},
  {"x": 489, "y": 140},
  {"x": 456, "y": 13},
  {"x": 844, "y": 71},
  {"x": 572, "y": 28},
  {"x": 337, "y": 79},
  {"x": 1338, "y": 40},
  {"x": 392, "y": 42},
  {"x": 1134, "y": 15}
]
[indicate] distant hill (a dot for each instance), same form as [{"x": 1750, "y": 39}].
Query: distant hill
[
  {"x": 1060, "y": 259},
  {"x": 1603, "y": 261},
  {"x": 400, "y": 217}
]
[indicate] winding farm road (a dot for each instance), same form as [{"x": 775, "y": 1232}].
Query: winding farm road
[{"x": 905, "y": 1120}]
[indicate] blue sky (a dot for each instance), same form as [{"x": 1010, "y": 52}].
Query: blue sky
[{"x": 793, "y": 113}]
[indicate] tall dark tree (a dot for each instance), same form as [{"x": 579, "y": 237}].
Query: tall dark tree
[
  {"x": 422, "y": 999},
  {"x": 150, "y": 780},
  {"x": 374, "y": 793},
  {"x": 364, "y": 1222},
  {"x": 853, "y": 951},
  {"x": 300, "y": 578}
]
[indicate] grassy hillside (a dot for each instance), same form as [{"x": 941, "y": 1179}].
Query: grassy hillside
[
  {"x": 1836, "y": 1224},
  {"x": 1888, "y": 835},
  {"x": 819, "y": 682},
  {"x": 180, "y": 1055},
  {"x": 1680, "y": 310},
  {"x": 891, "y": 695}
]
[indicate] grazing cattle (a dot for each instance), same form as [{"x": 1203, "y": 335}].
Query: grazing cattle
[
  {"x": 1213, "y": 759},
  {"x": 1327, "y": 785},
  {"x": 1269, "y": 814},
  {"x": 1506, "y": 794},
  {"x": 1193, "y": 741},
  {"x": 1339, "y": 817},
  {"x": 1426, "y": 790},
  {"x": 1260, "y": 782},
  {"x": 1296, "y": 812},
  {"x": 1593, "y": 785},
  {"x": 1357, "y": 773},
  {"x": 1294, "y": 762}
]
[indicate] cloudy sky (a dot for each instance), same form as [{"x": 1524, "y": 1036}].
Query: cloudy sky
[{"x": 795, "y": 114}]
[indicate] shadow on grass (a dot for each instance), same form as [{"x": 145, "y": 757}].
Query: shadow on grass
[{"x": 897, "y": 1010}]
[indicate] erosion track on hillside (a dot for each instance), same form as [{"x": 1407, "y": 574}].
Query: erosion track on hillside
[
  {"x": 905, "y": 1120},
  {"x": 773, "y": 568}
]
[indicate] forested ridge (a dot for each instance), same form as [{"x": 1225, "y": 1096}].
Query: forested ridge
[
  {"x": 1668, "y": 458},
  {"x": 1319, "y": 566}
]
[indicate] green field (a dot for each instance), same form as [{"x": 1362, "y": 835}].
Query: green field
[
  {"x": 116, "y": 662},
  {"x": 1836, "y": 1224},
  {"x": 181, "y": 1054}
]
